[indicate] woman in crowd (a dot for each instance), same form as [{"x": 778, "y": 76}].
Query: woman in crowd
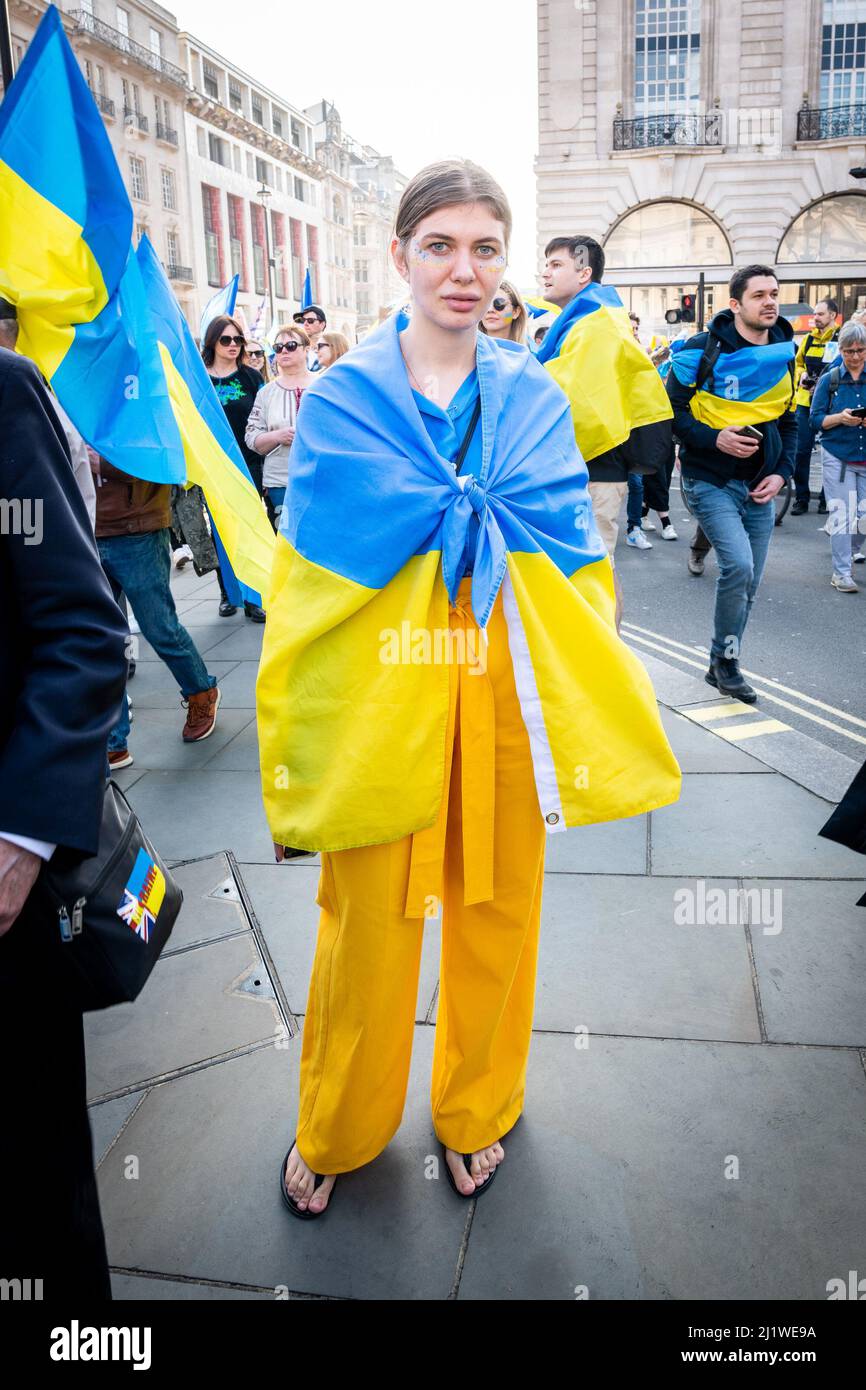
[
  {"x": 258, "y": 358},
  {"x": 843, "y": 451},
  {"x": 431, "y": 777},
  {"x": 236, "y": 384},
  {"x": 271, "y": 423},
  {"x": 506, "y": 317},
  {"x": 329, "y": 347}
]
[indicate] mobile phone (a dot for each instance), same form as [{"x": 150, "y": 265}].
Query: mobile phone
[
  {"x": 860, "y": 411},
  {"x": 749, "y": 432}
]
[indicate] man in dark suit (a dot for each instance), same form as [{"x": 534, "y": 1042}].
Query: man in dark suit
[{"x": 62, "y": 668}]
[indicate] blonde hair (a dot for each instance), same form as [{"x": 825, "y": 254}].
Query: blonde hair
[
  {"x": 336, "y": 342},
  {"x": 518, "y": 325},
  {"x": 296, "y": 331},
  {"x": 264, "y": 370},
  {"x": 445, "y": 184}
]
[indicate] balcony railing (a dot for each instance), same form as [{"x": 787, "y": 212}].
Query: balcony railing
[
  {"x": 87, "y": 24},
  {"x": 831, "y": 122},
  {"x": 652, "y": 132},
  {"x": 180, "y": 272},
  {"x": 165, "y": 132},
  {"x": 105, "y": 104},
  {"x": 133, "y": 117}
]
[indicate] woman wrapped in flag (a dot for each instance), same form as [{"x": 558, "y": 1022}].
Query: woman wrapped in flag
[{"x": 441, "y": 687}]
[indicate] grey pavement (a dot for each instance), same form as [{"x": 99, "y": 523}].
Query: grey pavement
[{"x": 695, "y": 1119}]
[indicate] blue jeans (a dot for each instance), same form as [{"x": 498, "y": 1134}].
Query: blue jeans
[
  {"x": 634, "y": 506},
  {"x": 139, "y": 566},
  {"x": 740, "y": 531}
]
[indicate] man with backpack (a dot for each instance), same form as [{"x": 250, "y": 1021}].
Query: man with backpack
[
  {"x": 731, "y": 390},
  {"x": 813, "y": 356}
]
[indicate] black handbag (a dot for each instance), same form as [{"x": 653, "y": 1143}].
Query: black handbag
[{"x": 108, "y": 916}]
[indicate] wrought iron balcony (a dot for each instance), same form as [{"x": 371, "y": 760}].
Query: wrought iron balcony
[
  {"x": 180, "y": 272},
  {"x": 831, "y": 122},
  {"x": 87, "y": 24},
  {"x": 651, "y": 132},
  {"x": 105, "y": 104},
  {"x": 133, "y": 117},
  {"x": 164, "y": 132}
]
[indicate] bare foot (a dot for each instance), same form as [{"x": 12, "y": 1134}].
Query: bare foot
[
  {"x": 300, "y": 1180},
  {"x": 483, "y": 1163}
]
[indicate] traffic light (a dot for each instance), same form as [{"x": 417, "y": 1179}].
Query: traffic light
[{"x": 687, "y": 308}]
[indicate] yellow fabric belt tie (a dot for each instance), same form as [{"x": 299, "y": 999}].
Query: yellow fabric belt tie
[{"x": 470, "y": 698}]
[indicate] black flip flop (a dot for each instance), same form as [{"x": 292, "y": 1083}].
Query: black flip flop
[
  {"x": 467, "y": 1159},
  {"x": 306, "y": 1214}
]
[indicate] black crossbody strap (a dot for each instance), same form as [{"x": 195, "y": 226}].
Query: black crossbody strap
[{"x": 467, "y": 438}]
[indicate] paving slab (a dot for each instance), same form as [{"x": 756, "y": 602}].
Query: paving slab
[
  {"x": 211, "y": 904},
  {"x": 749, "y": 824},
  {"x": 154, "y": 687},
  {"x": 205, "y": 636},
  {"x": 242, "y": 753},
  {"x": 284, "y": 902},
  {"x": 811, "y": 973},
  {"x": 238, "y": 688},
  {"x": 192, "y": 814},
  {"x": 240, "y": 643},
  {"x": 193, "y": 1007},
  {"x": 221, "y": 1133},
  {"x": 618, "y": 846},
  {"x": 700, "y": 750},
  {"x": 136, "y": 1288},
  {"x": 614, "y": 1178},
  {"x": 612, "y": 959},
  {"x": 108, "y": 1119},
  {"x": 156, "y": 743}
]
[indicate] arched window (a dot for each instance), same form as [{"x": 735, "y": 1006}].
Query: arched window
[
  {"x": 832, "y": 230},
  {"x": 666, "y": 234}
]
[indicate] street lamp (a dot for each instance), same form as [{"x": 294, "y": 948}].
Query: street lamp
[{"x": 265, "y": 195}]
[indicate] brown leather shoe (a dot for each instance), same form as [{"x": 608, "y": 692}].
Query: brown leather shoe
[{"x": 201, "y": 716}]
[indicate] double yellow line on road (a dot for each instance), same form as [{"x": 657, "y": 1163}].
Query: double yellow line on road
[{"x": 767, "y": 688}]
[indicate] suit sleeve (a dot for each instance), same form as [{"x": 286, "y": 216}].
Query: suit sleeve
[
  {"x": 62, "y": 626},
  {"x": 691, "y": 432}
]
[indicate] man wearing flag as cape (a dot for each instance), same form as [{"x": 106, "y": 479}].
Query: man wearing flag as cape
[
  {"x": 619, "y": 408},
  {"x": 731, "y": 389}
]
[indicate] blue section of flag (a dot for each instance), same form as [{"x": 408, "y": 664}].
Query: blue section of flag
[
  {"x": 307, "y": 296},
  {"x": 223, "y": 302}
]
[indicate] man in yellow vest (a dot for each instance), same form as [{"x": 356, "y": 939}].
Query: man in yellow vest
[{"x": 813, "y": 355}]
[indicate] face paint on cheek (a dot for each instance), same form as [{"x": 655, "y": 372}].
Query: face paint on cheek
[
  {"x": 418, "y": 254},
  {"x": 496, "y": 265}
]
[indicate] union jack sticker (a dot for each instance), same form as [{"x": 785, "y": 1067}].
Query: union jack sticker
[{"x": 142, "y": 896}]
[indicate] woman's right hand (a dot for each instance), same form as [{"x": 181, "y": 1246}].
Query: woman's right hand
[{"x": 286, "y": 434}]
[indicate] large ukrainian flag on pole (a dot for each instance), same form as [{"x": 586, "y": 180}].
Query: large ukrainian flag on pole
[
  {"x": 101, "y": 321},
  {"x": 610, "y": 381}
]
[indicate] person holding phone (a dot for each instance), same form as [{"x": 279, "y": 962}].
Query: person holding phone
[
  {"x": 839, "y": 412},
  {"x": 731, "y": 390}
]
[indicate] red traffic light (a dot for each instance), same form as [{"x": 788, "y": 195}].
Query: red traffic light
[{"x": 687, "y": 308}]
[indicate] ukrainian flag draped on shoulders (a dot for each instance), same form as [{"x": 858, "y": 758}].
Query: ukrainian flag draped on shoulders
[
  {"x": 611, "y": 384},
  {"x": 372, "y": 537},
  {"x": 100, "y": 319},
  {"x": 749, "y": 384}
]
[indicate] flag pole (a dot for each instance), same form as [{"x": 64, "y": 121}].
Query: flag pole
[{"x": 6, "y": 69}]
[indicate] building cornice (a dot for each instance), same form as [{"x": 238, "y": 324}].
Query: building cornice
[{"x": 233, "y": 123}]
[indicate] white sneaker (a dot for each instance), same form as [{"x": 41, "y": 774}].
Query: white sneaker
[
  {"x": 181, "y": 556},
  {"x": 844, "y": 584},
  {"x": 859, "y": 556},
  {"x": 647, "y": 524},
  {"x": 638, "y": 540},
  {"x": 668, "y": 533}
]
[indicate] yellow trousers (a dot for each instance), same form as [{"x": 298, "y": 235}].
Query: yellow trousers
[{"x": 483, "y": 861}]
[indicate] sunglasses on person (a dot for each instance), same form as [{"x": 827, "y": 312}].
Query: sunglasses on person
[
  {"x": 311, "y": 320},
  {"x": 226, "y": 339},
  {"x": 499, "y": 304},
  {"x": 287, "y": 347},
  {"x": 256, "y": 352}
]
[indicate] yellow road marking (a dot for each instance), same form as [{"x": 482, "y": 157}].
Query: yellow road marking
[
  {"x": 766, "y": 694},
  {"x": 761, "y": 726},
  {"x": 767, "y": 680},
  {"x": 701, "y": 716}
]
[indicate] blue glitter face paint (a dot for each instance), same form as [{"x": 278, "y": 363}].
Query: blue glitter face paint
[{"x": 418, "y": 252}]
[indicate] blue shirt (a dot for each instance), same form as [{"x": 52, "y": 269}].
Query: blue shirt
[
  {"x": 446, "y": 429},
  {"x": 843, "y": 442}
]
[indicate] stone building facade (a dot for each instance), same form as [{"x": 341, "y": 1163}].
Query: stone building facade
[{"x": 696, "y": 135}]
